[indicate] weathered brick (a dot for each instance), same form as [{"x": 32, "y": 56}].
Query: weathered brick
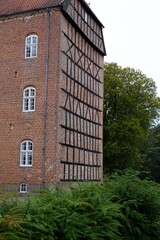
[{"x": 55, "y": 141}]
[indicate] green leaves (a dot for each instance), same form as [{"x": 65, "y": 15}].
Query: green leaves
[
  {"x": 84, "y": 212},
  {"x": 130, "y": 106},
  {"x": 140, "y": 205},
  {"x": 151, "y": 152},
  {"x": 124, "y": 207}
]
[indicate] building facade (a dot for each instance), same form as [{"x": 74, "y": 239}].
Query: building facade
[{"x": 51, "y": 93}]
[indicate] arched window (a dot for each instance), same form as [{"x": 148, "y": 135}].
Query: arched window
[
  {"x": 26, "y": 154},
  {"x": 23, "y": 188},
  {"x": 31, "y": 45},
  {"x": 29, "y": 95}
]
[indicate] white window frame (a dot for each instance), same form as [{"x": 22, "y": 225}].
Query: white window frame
[
  {"x": 23, "y": 188},
  {"x": 26, "y": 154},
  {"x": 86, "y": 17},
  {"x": 29, "y": 99},
  {"x": 31, "y": 46}
]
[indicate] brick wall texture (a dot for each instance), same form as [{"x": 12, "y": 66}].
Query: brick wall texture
[{"x": 56, "y": 153}]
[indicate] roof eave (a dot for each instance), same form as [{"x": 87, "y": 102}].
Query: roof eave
[{"x": 30, "y": 11}]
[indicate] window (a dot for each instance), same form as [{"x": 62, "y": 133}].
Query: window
[
  {"x": 23, "y": 188},
  {"x": 86, "y": 17},
  {"x": 31, "y": 46},
  {"x": 26, "y": 154},
  {"x": 29, "y": 95}
]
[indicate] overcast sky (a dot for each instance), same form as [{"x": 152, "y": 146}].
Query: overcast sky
[{"x": 132, "y": 33}]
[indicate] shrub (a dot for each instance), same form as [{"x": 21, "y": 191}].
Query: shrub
[
  {"x": 140, "y": 204},
  {"x": 84, "y": 212},
  {"x": 124, "y": 207}
]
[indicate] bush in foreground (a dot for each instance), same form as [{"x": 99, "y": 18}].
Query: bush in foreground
[{"x": 124, "y": 207}]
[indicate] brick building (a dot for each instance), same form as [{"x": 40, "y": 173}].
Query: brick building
[{"x": 51, "y": 93}]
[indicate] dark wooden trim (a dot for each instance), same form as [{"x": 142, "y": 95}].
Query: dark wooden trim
[
  {"x": 80, "y": 148},
  {"x": 82, "y": 33},
  {"x": 81, "y": 164},
  {"x": 88, "y": 120}
]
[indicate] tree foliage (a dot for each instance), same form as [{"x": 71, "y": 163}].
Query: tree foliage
[
  {"x": 130, "y": 107},
  {"x": 151, "y": 152}
]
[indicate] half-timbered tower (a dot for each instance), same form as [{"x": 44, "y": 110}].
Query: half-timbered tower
[{"x": 51, "y": 93}]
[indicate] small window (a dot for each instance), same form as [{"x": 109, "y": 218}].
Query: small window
[
  {"x": 86, "y": 17},
  {"x": 23, "y": 188},
  {"x": 31, "y": 46},
  {"x": 29, "y": 95},
  {"x": 26, "y": 154}
]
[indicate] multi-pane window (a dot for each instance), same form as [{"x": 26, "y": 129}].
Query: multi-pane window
[
  {"x": 31, "y": 45},
  {"x": 26, "y": 154},
  {"x": 23, "y": 188},
  {"x": 29, "y": 95}
]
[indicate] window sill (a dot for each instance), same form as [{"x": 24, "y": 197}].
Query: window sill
[
  {"x": 30, "y": 111},
  {"x": 26, "y": 166},
  {"x": 30, "y": 57}
]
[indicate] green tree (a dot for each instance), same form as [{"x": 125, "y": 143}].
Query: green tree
[
  {"x": 151, "y": 152},
  {"x": 130, "y": 107}
]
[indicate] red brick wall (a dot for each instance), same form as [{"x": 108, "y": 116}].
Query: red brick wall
[{"x": 16, "y": 126}]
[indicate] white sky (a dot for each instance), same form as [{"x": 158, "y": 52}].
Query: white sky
[{"x": 131, "y": 33}]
